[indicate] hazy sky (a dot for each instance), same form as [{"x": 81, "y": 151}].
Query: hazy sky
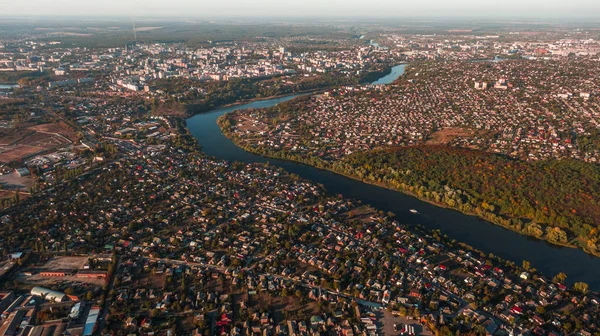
[{"x": 296, "y": 8}]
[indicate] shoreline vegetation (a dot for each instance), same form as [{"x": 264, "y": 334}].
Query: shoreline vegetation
[
  {"x": 436, "y": 234},
  {"x": 238, "y": 91},
  {"x": 552, "y": 234}
]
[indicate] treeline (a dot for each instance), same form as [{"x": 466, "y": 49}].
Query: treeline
[
  {"x": 213, "y": 94},
  {"x": 14, "y": 77},
  {"x": 589, "y": 142},
  {"x": 553, "y": 200}
]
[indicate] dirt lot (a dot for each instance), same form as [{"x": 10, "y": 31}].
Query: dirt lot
[
  {"x": 60, "y": 128},
  {"x": 59, "y": 263},
  {"x": 446, "y": 135},
  {"x": 17, "y": 144},
  {"x": 30, "y": 145},
  {"x": 14, "y": 181},
  {"x": 11, "y": 136},
  {"x": 65, "y": 263},
  {"x": 150, "y": 281},
  {"x": 18, "y": 152}
]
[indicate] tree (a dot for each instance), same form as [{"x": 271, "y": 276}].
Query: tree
[
  {"x": 526, "y": 265},
  {"x": 479, "y": 330},
  {"x": 23, "y": 82},
  {"x": 581, "y": 287},
  {"x": 560, "y": 278},
  {"x": 556, "y": 235},
  {"x": 540, "y": 309}
]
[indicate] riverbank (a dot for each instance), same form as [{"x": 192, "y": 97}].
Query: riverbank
[
  {"x": 195, "y": 108},
  {"x": 258, "y": 99},
  {"x": 320, "y": 164},
  {"x": 481, "y": 235}
]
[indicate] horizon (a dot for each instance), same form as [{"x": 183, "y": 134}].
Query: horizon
[
  {"x": 590, "y": 21},
  {"x": 308, "y": 9}
]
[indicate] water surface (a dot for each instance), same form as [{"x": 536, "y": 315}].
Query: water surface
[{"x": 483, "y": 235}]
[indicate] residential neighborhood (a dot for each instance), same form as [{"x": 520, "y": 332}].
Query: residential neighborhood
[{"x": 114, "y": 221}]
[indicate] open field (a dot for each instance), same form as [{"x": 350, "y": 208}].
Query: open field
[
  {"x": 446, "y": 135},
  {"x": 68, "y": 34},
  {"x": 18, "y": 152},
  {"x": 58, "y": 128},
  {"x": 12, "y": 136},
  {"x": 16, "y": 146},
  {"x": 14, "y": 181},
  {"x": 59, "y": 264},
  {"x": 65, "y": 263},
  {"x": 142, "y": 29}
]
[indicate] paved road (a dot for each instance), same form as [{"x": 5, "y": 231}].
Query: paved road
[{"x": 104, "y": 311}]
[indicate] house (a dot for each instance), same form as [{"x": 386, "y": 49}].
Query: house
[{"x": 481, "y": 85}]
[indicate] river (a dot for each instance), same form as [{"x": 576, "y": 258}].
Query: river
[
  {"x": 396, "y": 72},
  {"x": 482, "y": 235}
]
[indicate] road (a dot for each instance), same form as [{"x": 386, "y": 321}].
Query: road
[{"x": 107, "y": 300}]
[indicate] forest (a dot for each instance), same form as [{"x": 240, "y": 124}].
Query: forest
[
  {"x": 555, "y": 200},
  {"x": 552, "y": 199}
]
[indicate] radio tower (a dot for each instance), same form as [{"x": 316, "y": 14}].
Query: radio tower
[{"x": 134, "y": 33}]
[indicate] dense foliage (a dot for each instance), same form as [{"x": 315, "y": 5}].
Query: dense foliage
[
  {"x": 20, "y": 77},
  {"x": 558, "y": 195}
]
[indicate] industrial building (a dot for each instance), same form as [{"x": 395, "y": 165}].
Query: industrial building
[{"x": 49, "y": 294}]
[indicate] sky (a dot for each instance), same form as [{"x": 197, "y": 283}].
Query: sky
[{"x": 301, "y": 8}]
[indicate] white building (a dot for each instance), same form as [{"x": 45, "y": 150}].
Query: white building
[{"x": 48, "y": 294}]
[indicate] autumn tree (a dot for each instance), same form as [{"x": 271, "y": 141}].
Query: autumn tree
[
  {"x": 581, "y": 287},
  {"x": 560, "y": 278}
]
